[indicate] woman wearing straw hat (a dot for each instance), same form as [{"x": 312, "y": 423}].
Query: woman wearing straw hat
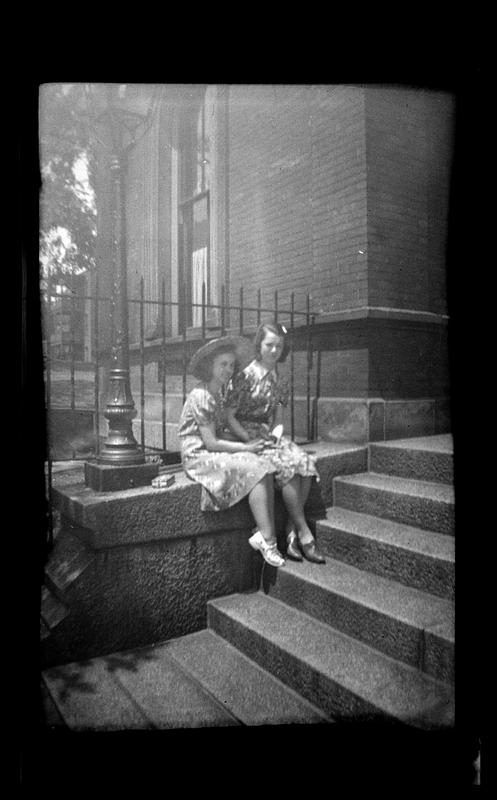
[
  {"x": 253, "y": 407},
  {"x": 227, "y": 470}
]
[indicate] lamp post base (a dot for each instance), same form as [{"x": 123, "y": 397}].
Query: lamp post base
[{"x": 110, "y": 478}]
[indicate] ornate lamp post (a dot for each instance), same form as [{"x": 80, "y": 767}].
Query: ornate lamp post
[{"x": 126, "y": 115}]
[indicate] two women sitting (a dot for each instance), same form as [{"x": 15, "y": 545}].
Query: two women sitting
[{"x": 226, "y": 443}]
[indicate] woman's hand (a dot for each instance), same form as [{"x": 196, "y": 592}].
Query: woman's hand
[{"x": 255, "y": 446}]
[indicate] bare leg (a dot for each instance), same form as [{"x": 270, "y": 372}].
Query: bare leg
[
  {"x": 261, "y": 502},
  {"x": 291, "y": 524},
  {"x": 305, "y": 488},
  {"x": 292, "y": 498}
]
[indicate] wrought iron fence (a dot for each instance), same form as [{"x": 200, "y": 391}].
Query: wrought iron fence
[{"x": 63, "y": 354}]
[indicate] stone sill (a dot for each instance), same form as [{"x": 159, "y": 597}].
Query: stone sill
[
  {"x": 384, "y": 313},
  {"x": 324, "y": 318},
  {"x": 145, "y": 514}
]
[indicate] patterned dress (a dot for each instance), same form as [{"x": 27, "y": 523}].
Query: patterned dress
[
  {"x": 225, "y": 477},
  {"x": 255, "y": 393}
]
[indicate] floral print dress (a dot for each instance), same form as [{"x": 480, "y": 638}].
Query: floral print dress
[
  {"x": 225, "y": 477},
  {"x": 255, "y": 393}
]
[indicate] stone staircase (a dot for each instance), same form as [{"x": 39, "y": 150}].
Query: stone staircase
[{"x": 367, "y": 636}]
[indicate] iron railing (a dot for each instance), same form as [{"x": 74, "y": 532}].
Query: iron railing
[{"x": 240, "y": 317}]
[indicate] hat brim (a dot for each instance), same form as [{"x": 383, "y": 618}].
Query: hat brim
[{"x": 243, "y": 348}]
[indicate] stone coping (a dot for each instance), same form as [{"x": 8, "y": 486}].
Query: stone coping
[
  {"x": 146, "y": 514},
  {"x": 321, "y": 318},
  {"x": 385, "y": 313}
]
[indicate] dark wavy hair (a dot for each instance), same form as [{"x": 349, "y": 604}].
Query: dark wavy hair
[
  {"x": 204, "y": 369},
  {"x": 271, "y": 327}
]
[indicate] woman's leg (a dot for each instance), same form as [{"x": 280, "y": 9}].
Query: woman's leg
[
  {"x": 305, "y": 483},
  {"x": 305, "y": 488},
  {"x": 261, "y": 502},
  {"x": 293, "y": 493}
]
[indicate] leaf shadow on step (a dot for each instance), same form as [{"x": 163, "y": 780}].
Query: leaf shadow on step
[
  {"x": 72, "y": 680},
  {"x": 129, "y": 661},
  {"x": 80, "y": 677}
]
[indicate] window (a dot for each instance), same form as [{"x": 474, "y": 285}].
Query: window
[{"x": 194, "y": 206}]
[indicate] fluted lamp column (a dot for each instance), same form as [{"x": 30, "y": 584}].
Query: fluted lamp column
[
  {"x": 120, "y": 447},
  {"x": 121, "y": 463}
]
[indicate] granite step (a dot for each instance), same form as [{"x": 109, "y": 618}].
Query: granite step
[
  {"x": 427, "y": 458},
  {"x": 344, "y": 677},
  {"x": 423, "y": 504},
  {"x": 252, "y": 695},
  {"x": 198, "y": 680},
  {"x": 422, "y": 559},
  {"x": 134, "y": 690},
  {"x": 411, "y": 626}
]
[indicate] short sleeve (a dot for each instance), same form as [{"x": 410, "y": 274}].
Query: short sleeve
[{"x": 202, "y": 407}]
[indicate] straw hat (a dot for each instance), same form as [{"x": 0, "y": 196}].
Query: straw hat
[{"x": 243, "y": 347}]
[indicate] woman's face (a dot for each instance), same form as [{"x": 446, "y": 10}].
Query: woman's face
[
  {"x": 271, "y": 348},
  {"x": 223, "y": 367}
]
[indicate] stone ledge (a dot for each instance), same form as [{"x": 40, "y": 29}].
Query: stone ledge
[
  {"x": 383, "y": 313},
  {"x": 145, "y": 514},
  {"x": 194, "y": 335}
]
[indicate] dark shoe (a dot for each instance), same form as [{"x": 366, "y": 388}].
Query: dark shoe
[
  {"x": 311, "y": 553},
  {"x": 292, "y": 549}
]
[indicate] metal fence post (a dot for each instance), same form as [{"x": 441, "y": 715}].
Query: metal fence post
[
  {"x": 96, "y": 356},
  {"x": 142, "y": 361},
  {"x": 292, "y": 368},
  {"x": 241, "y": 310}
]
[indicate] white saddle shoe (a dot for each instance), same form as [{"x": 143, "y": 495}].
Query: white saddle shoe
[{"x": 269, "y": 552}]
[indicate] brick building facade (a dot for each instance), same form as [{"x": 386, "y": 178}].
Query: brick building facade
[{"x": 338, "y": 193}]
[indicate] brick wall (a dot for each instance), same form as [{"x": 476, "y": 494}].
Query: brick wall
[
  {"x": 439, "y": 122},
  {"x": 338, "y": 199},
  {"x": 336, "y": 191},
  {"x": 408, "y": 136},
  {"x": 298, "y": 194}
]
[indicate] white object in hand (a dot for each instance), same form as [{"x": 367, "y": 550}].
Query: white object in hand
[{"x": 277, "y": 432}]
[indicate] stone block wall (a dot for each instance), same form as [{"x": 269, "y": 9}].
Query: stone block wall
[{"x": 154, "y": 558}]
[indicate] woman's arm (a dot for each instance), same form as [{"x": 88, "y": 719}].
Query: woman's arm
[
  {"x": 215, "y": 445},
  {"x": 235, "y": 426}
]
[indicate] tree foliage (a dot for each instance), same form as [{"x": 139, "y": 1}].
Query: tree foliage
[{"x": 67, "y": 210}]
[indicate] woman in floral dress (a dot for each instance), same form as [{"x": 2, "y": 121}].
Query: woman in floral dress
[
  {"x": 227, "y": 470},
  {"x": 253, "y": 406}
]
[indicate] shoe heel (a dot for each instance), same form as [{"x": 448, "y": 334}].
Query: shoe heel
[{"x": 253, "y": 541}]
